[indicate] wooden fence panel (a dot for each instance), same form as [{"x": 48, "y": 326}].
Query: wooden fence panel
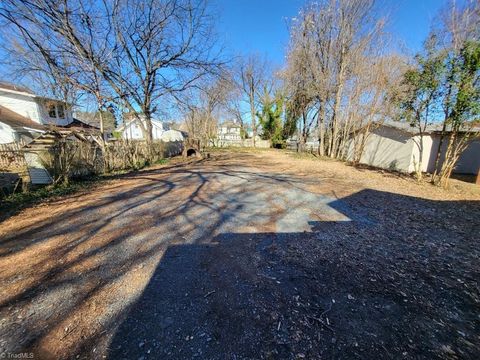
[{"x": 11, "y": 156}]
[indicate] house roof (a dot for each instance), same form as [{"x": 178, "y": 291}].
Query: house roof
[
  {"x": 155, "y": 122},
  {"x": 23, "y": 90},
  {"x": 76, "y": 123},
  {"x": 230, "y": 124},
  {"x": 16, "y": 120},
  {"x": 5, "y": 85}
]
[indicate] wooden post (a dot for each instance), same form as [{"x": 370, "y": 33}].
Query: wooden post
[{"x": 478, "y": 177}]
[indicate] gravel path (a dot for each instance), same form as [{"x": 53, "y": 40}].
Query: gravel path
[{"x": 245, "y": 256}]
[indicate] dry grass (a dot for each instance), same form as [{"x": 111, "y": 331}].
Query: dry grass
[{"x": 364, "y": 177}]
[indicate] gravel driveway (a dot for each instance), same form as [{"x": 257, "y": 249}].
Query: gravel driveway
[{"x": 244, "y": 256}]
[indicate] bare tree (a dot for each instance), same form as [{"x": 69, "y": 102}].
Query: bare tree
[
  {"x": 142, "y": 50},
  {"x": 299, "y": 81},
  {"x": 234, "y": 98},
  {"x": 329, "y": 39},
  {"x": 251, "y": 77},
  {"x": 203, "y": 106},
  {"x": 26, "y": 65},
  {"x": 372, "y": 101}
]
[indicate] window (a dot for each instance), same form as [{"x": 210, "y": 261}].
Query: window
[
  {"x": 55, "y": 110},
  {"x": 60, "y": 111},
  {"x": 51, "y": 110}
]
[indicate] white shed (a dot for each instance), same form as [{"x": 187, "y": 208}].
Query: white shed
[{"x": 396, "y": 146}]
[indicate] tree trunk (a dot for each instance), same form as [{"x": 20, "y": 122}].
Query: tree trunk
[
  {"x": 447, "y": 165},
  {"x": 421, "y": 132},
  {"x": 252, "y": 113},
  {"x": 102, "y": 125},
  {"x": 321, "y": 129},
  {"x": 358, "y": 146},
  {"x": 456, "y": 145},
  {"x": 336, "y": 110},
  {"x": 304, "y": 130},
  {"x": 343, "y": 146},
  {"x": 103, "y": 147},
  {"x": 336, "y": 106},
  {"x": 436, "y": 168},
  {"x": 419, "y": 166},
  {"x": 149, "y": 136}
]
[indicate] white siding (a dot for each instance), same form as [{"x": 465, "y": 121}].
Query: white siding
[
  {"x": 172, "y": 136},
  {"x": 394, "y": 149},
  {"x": 38, "y": 174},
  {"x": 7, "y": 134},
  {"x": 387, "y": 148},
  {"x": 469, "y": 161},
  {"x": 157, "y": 132},
  {"x": 47, "y": 120},
  {"x": 33, "y": 108},
  {"x": 229, "y": 133},
  {"x": 426, "y": 144},
  {"x": 133, "y": 130},
  {"x": 21, "y": 104}
]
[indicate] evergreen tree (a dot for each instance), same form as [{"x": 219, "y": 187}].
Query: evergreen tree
[{"x": 270, "y": 118}]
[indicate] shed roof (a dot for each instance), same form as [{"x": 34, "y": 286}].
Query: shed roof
[
  {"x": 413, "y": 130},
  {"x": 407, "y": 127}
]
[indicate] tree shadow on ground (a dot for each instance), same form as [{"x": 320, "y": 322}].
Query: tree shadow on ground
[
  {"x": 69, "y": 273},
  {"x": 220, "y": 258},
  {"x": 77, "y": 189},
  {"x": 396, "y": 280}
]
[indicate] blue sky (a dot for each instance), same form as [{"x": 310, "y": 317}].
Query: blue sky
[{"x": 261, "y": 25}]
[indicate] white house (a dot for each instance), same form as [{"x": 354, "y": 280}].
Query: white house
[
  {"x": 229, "y": 131},
  {"x": 229, "y": 134},
  {"x": 23, "y": 113},
  {"x": 15, "y": 127},
  {"x": 131, "y": 130},
  {"x": 396, "y": 146}
]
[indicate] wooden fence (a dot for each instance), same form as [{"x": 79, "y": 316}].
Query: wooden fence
[
  {"x": 74, "y": 158},
  {"x": 12, "y": 168},
  {"x": 11, "y": 156},
  {"x": 262, "y": 144}
]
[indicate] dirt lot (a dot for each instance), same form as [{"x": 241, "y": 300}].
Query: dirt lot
[{"x": 246, "y": 255}]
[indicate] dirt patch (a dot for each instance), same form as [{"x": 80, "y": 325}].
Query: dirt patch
[{"x": 245, "y": 255}]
